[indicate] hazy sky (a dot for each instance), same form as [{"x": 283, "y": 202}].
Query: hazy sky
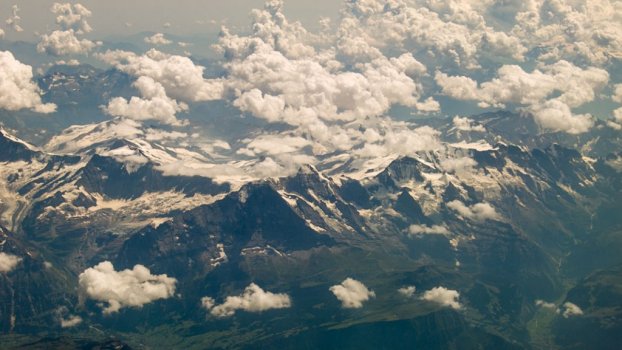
[{"x": 185, "y": 16}]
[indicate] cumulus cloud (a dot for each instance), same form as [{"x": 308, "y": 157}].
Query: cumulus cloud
[
  {"x": 8, "y": 262},
  {"x": 408, "y": 291},
  {"x": 154, "y": 104},
  {"x": 71, "y": 321},
  {"x": 459, "y": 166},
  {"x": 444, "y": 297},
  {"x": 479, "y": 212},
  {"x": 127, "y": 288},
  {"x": 466, "y": 124},
  {"x": 583, "y": 30},
  {"x": 72, "y": 17},
  {"x": 570, "y": 310},
  {"x": 17, "y": 89},
  {"x": 549, "y": 92},
  {"x": 157, "y": 39},
  {"x": 546, "y": 305},
  {"x": 352, "y": 293},
  {"x": 253, "y": 299},
  {"x": 180, "y": 77},
  {"x": 15, "y": 20},
  {"x": 428, "y": 230},
  {"x": 453, "y": 33},
  {"x": 64, "y": 42}
]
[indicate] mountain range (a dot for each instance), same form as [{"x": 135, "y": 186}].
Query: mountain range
[{"x": 506, "y": 223}]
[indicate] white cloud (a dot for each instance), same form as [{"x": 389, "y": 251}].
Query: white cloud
[
  {"x": 64, "y": 42},
  {"x": 157, "y": 39},
  {"x": 8, "y": 262},
  {"x": 444, "y": 297},
  {"x": 154, "y": 105},
  {"x": 454, "y": 33},
  {"x": 15, "y": 20},
  {"x": 253, "y": 299},
  {"x": 17, "y": 89},
  {"x": 466, "y": 124},
  {"x": 462, "y": 165},
  {"x": 581, "y": 30},
  {"x": 72, "y": 17},
  {"x": 127, "y": 288},
  {"x": 180, "y": 77},
  {"x": 408, "y": 291},
  {"x": 208, "y": 303},
  {"x": 549, "y": 92},
  {"x": 570, "y": 310},
  {"x": 557, "y": 116},
  {"x": 546, "y": 305},
  {"x": 352, "y": 293},
  {"x": 70, "y": 322},
  {"x": 478, "y": 212},
  {"x": 428, "y": 230}
]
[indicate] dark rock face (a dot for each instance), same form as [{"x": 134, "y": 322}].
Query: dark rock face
[
  {"x": 12, "y": 150},
  {"x": 107, "y": 176}
]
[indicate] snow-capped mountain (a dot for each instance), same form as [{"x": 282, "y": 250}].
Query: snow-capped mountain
[{"x": 503, "y": 223}]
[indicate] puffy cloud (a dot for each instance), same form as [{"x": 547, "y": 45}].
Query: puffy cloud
[
  {"x": 154, "y": 105},
  {"x": 72, "y": 17},
  {"x": 71, "y": 321},
  {"x": 64, "y": 42},
  {"x": 253, "y": 299},
  {"x": 428, "y": 230},
  {"x": 127, "y": 288},
  {"x": 546, "y": 305},
  {"x": 444, "y": 297},
  {"x": 556, "y": 115},
  {"x": 157, "y": 39},
  {"x": 8, "y": 262},
  {"x": 408, "y": 291},
  {"x": 582, "y": 30},
  {"x": 278, "y": 89},
  {"x": 459, "y": 166},
  {"x": 466, "y": 124},
  {"x": 352, "y": 293},
  {"x": 570, "y": 310},
  {"x": 180, "y": 77},
  {"x": 15, "y": 20},
  {"x": 478, "y": 212},
  {"x": 17, "y": 89},
  {"x": 453, "y": 32},
  {"x": 208, "y": 303},
  {"x": 557, "y": 87}
]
